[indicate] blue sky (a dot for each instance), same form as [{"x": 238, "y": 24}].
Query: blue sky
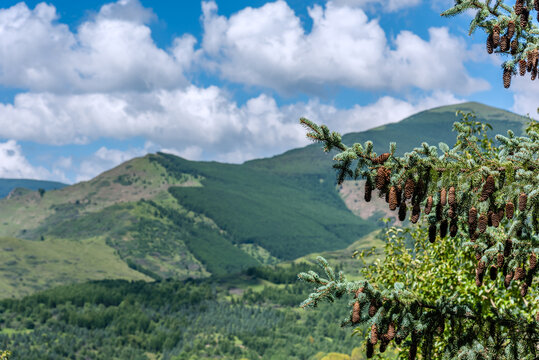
[{"x": 86, "y": 85}]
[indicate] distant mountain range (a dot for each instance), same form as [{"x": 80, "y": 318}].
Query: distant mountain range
[
  {"x": 8, "y": 185},
  {"x": 161, "y": 216}
]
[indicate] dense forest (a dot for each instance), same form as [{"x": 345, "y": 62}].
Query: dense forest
[{"x": 192, "y": 319}]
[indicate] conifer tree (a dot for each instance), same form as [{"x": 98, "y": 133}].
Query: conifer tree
[{"x": 477, "y": 209}]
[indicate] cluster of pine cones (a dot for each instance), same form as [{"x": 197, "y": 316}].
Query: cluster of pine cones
[
  {"x": 445, "y": 219},
  {"x": 507, "y": 44}
]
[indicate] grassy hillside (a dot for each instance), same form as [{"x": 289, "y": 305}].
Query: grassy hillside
[
  {"x": 8, "y": 185},
  {"x": 161, "y": 216}
]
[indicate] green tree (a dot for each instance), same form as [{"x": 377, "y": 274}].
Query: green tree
[{"x": 480, "y": 207}]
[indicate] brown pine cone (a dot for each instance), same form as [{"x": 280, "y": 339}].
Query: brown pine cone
[
  {"x": 510, "y": 29},
  {"x": 359, "y": 291},
  {"x": 490, "y": 44},
  {"x": 534, "y": 73},
  {"x": 524, "y": 18},
  {"x": 383, "y": 346},
  {"x": 496, "y": 36},
  {"x": 399, "y": 194},
  {"x": 519, "y": 5},
  {"x": 482, "y": 223},
  {"x": 522, "y": 202},
  {"x": 374, "y": 334},
  {"x": 504, "y": 43},
  {"x": 508, "y": 278},
  {"x": 452, "y": 197},
  {"x": 390, "y": 335},
  {"x": 439, "y": 211},
  {"x": 479, "y": 273},
  {"x": 507, "y": 73},
  {"x": 381, "y": 159},
  {"x": 514, "y": 47},
  {"x": 499, "y": 260},
  {"x": 523, "y": 289},
  {"x": 402, "y": 211},
  {"x": 393, "y": 198},
  {"x": 530, "y": 61},
  {"x": 409, "y": 188},
  {"x": 489, "y": 218},
  {"x": 415, "y": 213},
  {"x": 453, "y": 228},
  {"x": 509, "y": 210},
  {"x": 508, "y": 247},
  {"x": 443, "y": 228},
  {"x": 443, "y": 196},
  {"x": 493, "y": 272},
  {"x": 428, "y": 206},
  {"x": 370, "y": 350},
  {"x": 501, "y": 212},
  {"x": 533, "y": 262},
  {"x": 356, "y": 313},
  {"x": 522, "y": 67},
  {"x": 472, "y": 216},
  {"x": 494, "y": 220},
  {"x": 368, "y": 191},
  {"x": 372, "y": 308},
  {"x": 488, "y": 187},
  {"x": 432, "y": 233},
  {"x": 520, "y": 273},
  {"x": 382, "y": 177}
]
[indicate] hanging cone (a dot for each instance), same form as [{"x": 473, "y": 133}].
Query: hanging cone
[
  {"x": 494, "y": 220},
  {"x": 507, "y": 279},
  {"x": 522, "y": 67},
  {"x": 409, "y": 188},
  {"x": 382, "y": 177},
  {"x": 452, "y": 196},
  {"x": 368, "y": 191},
  {"x": 399, "y": 194},
  {"x": 509, "y": 210},
  {"x": 489, "y": 186},
  {"x": 472, "y": 221},
  {"x": 443, "y": 228},
  {"x": 533, "y": 262},
  {"x": 443, "y": 196},
  {"x": 499, "y": 260},
  {"x": 370, "y": 350},
  {"x": 524, "y": 18},
  {"x": 519, "y": 5},
  {"x": 520, "y": 273},
  {"x": 432, "y": 233},
  {"x": 372, "y": 308},
  {"x": 439, "y": 211},
  {"x": 402, "y": 211},
  {"x": 501, "y": 212},
  {"x": 393, "y": 198},
  {"x": 381, "y": 159},
  {"x": 510, "y": 29},
  {"x": 482, "y": 223},
  {"x": 507, "y": 73},
  {"x": 496, "y": 36},
  {"x": 428, "y": 206},
  {"x": 416, "y": 210},
  {"x": 356, "y": 313},
  {"x": 523, "y": 289},
  {"x": 504, "y": 43},
  {"x": 490, "y": 44},
  {"x": 514, "y": 47},
  {"x": 453, "y": 228},
  {"x": 374, "y": 334},
  {"x": 508, "y": 247},
  {"x": 390, "y": 335},
  {"x": 522, "y": 200},
  {"x": 493, "y": 272}
]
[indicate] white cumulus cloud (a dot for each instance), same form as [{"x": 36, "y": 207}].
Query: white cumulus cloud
[
  {"x": 113, "y": 51},
  {"x": 267, "y": 46}
]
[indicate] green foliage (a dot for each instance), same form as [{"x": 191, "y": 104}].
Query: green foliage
[
  {"x": 280, "y": 214},
  {"x": 418, "y": 291}
]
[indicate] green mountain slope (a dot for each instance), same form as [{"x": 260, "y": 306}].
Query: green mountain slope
[
  {"x": 167, "y": 217},
  {"x": 8, "y": 185}
]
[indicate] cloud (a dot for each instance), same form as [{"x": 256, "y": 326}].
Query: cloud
[
  {"x": 268, "y": 47},
  {"x": 197, "y": 123},
  {"x": 113, "y": 51},
  {"x": 384, "y": 5},
  {"x": 13, "y": 164},
  {"x": 525, "y": 96}
]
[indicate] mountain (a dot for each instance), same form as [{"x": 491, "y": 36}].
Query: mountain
[
  {"x": 8, "y": 185},
  {"x": 161, "y": 216}
]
